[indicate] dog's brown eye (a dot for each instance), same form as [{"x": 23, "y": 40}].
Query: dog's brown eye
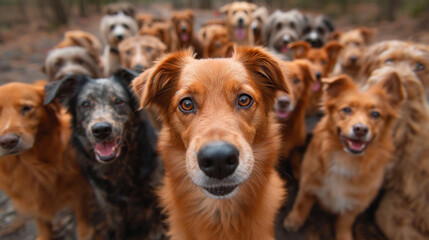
[
  {"x": 244, "y": 101},
  {"x": 128, "y": 52},
  {"x": 375, "y": 114},
  {"x": 292, "y": 25},
  {"x": 85, "y": 104},
  {"x": 323, "y": 62},
  {"x": 388, "y": 60},
  {"x": 279, "y": 26},
  {"x": 234, "y": 12},
  {"x": 419, "y": 67},
  {"x": 119, "y": 101},
  {"x": 148, "y": 49},
  {"x": 125, "y": 26},
  {"x": 296, "y": 81},
  {"x": 26, "y": 108},
  {"x": 347, "y": 110},
  {"x": 186, "y": 105}
]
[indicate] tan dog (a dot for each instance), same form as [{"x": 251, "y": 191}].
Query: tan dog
[
  {"x": 404, "y": 209},
  {"x": 38, "y": 165},
  {"x": 260, "y": 17},
  {"x": 184, "y": 26},
  {"x": 355, "y": 42},
  {"x": 344, "y": 165},
  {"x": 216, "y": 41},
  {"x": 323, "y": 61},
  {"x": 239, "y": 19},
  {"x": 219, "y": 143},
  {"x": 165, "y": 32}
]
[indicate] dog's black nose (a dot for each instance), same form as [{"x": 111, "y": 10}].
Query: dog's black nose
[
  {"x": 240, "y": 21},
  {"x": 101, "y": 130},
  {"x": 120, "y": 37},
  {"x": 218, "y": 159},
  {"x": 9, "y": 141},
  {"x": 184, "y": 28},
  {"x": 283, "y": 101},
  {"x": 353, "y": 59},
  {"x": 318, "y": 75},
  {"x": 360, "y": 130}
]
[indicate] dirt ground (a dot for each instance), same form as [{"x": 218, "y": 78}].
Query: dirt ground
[{"x": 23, "y": 48}]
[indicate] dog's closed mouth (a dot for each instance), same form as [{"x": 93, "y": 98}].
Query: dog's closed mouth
[
  {"x": 354, "y": 145},
  {"x": 107, "y": 151},
  {"x": 221, "y": 191}
]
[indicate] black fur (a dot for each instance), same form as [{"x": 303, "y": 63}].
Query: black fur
[{"x": 125, "y": 187}]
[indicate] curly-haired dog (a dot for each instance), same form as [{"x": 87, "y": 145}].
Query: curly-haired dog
[
  {"x": 114, "y": 29},
  {"x": 219, "y": 143},
  {"x": 184, "y": 26},
  {"x": 78, "y": 53},
  {"x": 281, "y": 29},
  {"x": 355, "y": 42},
  {"x": 344, "y": 166},
  {"x": 317, "y": 30},
  {"x": 239, "y": 18},
  {"x": 38, "y": 166},
  {"x": 260, "y": 16},
  {"x": 116, "y": 149},
  {"x": 403, "y": 211}
]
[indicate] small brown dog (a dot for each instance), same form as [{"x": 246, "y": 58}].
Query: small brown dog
[
  {"x": 344, "y": 166},
  {"x": 38, "y": 165},
  {"x": 184, "y": 26},
  {"x": 239, "y": 19},
  {"x": 165, "y": 32},
  {"x": 219, "y": 143},
  {"x": 323, "y": 61},
  {"x": 216, "y": 41}
]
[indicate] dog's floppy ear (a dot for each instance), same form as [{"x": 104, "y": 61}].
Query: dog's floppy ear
[
  {"x": 367, "y": 33},
  {"x": 392, "y": 85},
  {"x": 336, "y": 85},
  {"x": 333, "y": 49},
  {"x": 328, "y": 23},
  {"x": 157, "y": 84},
  {"x": 225, "y": 8},
  {"x": 264, "y": 69},
  {"x": 64, "y": 89},
  {"x": 125, "y": 74},
  {"x": 336, "y": 35},
  {"x": 300, "y": 49},
  {"x": 309, "y": 76}
]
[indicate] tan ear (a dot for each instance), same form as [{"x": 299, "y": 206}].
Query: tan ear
[
  {"x": 264, "y": 69},
  {"x": 336, "y": 35},
  {"x": 392, "y": 85},
  {"x": 300, "y": 49},
  {"x": 334, "y": 86},
  {"x": 367, "y": 33},
  {"x": 305, "y": 66},
  {"x": 333, "y": 48},
  {"x": 224, "y": 9},
  {"x": 157, "y": 84}
]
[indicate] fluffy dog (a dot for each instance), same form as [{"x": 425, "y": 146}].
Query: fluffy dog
[
  {"x": 165, "y": 32},
  {"x": 184, "y": 26},
  {"x": 116, "y": 148},
  {"x": 77, "y": 53},
  {"x": 323, "y": 61},
  {"x": 219, "y": 143},
  {"x": 344, "y": 165},
  {"x": 140, "y": 52},
  {"x": 403, "y": 210},
  {"x": 355, "y": 42},
  {"x": 38, "y": 166},
  {"x": 260, "y": 16},
  {"x": 114, "y": 29},
  {"x": 239, "y": 19},
  {"x": 281, "y": 29},
  {"x": 290, "y": 109},
  {"x": 216, "y": 41},
  {"x": 317, "y": 30},
  {"x": 125, "y": 8}
]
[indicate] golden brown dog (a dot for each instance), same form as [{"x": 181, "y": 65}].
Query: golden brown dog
[
  {"x": 355, "y": 42},
  {"x": 165, "y": 32},
  {"x": 184, "y": 26},
  {"x": 323, "y": 61},
  {"x": 290, "y": 109},
  {"x": 219, "y": 143},
  {"x": 38, "y": 166},
  {"x": 216, "y": 41},
  {"x": 404, "y": 209},
  {"x": 344, "y": 165},
  {"x": 239, "y": 19}
]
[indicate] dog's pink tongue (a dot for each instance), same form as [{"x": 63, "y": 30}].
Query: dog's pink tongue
[
  {"x": 356, "y": 145},
  {"x": 240, "y": 33},
  {"x": 105, "y": 148},
  {"x": 316, "y": 86},
  {"x": 184, "y": 37},
  {"x": 285, "y": 49},
  {"x": 282, "y": 114}
]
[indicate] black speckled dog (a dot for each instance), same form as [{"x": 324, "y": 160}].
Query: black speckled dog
[{"x": 117, "y": 147}]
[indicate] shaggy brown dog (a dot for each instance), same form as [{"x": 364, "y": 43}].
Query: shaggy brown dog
[
  {"x": 239, "y": 18},
  {"x": 344, "y": 165},
  {"x": 219, "y": 143},
  {"x": 216, "y": 41},
  {"x": 38, "y": 165},
  {"x": 184, "y": 25},
  {"x": 403, "y": 212},
  {"x": 323, "y": 61}
]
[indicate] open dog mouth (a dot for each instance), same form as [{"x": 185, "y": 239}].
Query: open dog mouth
[
  {"x": 354, "y": 146},
  {"x": 240, "y": 33},
  {"x": 284, "y": 48},
  {"x": 184, "y": 37},
  {"x": 282, "y": 114},
  {"x": 221, "y": 191},
  {"x": 107, "y": 151}
]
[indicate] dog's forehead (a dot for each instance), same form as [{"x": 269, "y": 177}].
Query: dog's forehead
[
  {"x": 103, "y": 88},
  {"x": 21, "y": 93}
]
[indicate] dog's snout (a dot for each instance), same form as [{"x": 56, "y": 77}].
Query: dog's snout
[
  {"x": 120, "y": 37},
  {"x": 353, "y": 59},
  {"x": 9, "y": 141},
  {"x": 101, "y": 130},
  {"x": 240, "y": 21},
  {"x": 283, "y": 101},
  {"x": 318, "y": 75},
  {"x": 218, "y": 159},
  {"x": 360, "y": 130},
  {"x": 184, "y": 28}
]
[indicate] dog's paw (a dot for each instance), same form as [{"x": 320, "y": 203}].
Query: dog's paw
[{"x": 293, "y": 222}]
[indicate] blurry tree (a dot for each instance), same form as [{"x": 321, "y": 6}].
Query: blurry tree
[
  {"x": 82, "y": 8},
  {"x": 58, "y": 11}
]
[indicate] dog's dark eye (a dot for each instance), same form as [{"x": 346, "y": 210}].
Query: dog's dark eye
[
  {"x": 307, "y": 30},
  {"x": 234, "y": 12},
  {"x": 245, "y": 101},
  {"x": 279, "y": 26},
  {"x": 119, "y": 101},
  {"x": 245, "y": 12},
  {"x": 347, "y": 110},
  {"x": 320, "y": 30},
  {"x": 25, "y": 109},
  {"x": 186, "y": 105},
  {"x": 419, "y": 67},
  {"x": 79, "y": 61},
  {"x": 357, "y": 44},
  {"x": 375, "y": 114},
  {"x": 388, "y": 60},
  {"x": 128, "y": 52},
  {"x": 59, "y": 63},
  {"x": 125, "y": 26},
  {"x": 112, "y": 27},
  {"x": 148, "y": 49},
  {"x": 323, "y": 62},
  {"x": 296, "y": 81},
  {"x": 292, "y": 25},
  {"x": 86, "y": 104}
]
